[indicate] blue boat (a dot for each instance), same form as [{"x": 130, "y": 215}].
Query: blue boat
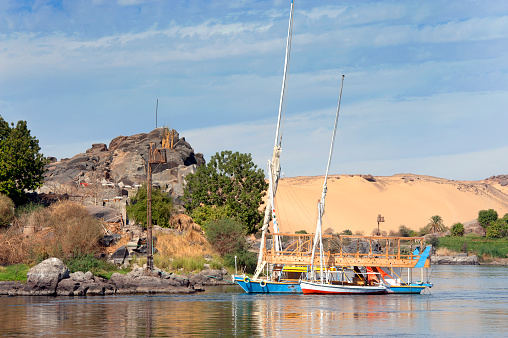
[
  {"x": 262, "y": 286},
  {"x": 412, "y": 288}
]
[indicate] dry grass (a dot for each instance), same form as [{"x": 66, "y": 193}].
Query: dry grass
[
  {"x": 189, "y": 244},
  {"x": 446, "y": 252},
  {"x": 185, "y": 250},
  {"x": 64, "y": 230}
]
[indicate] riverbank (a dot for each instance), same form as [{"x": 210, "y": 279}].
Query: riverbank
[{"x": 52, "y": 278}]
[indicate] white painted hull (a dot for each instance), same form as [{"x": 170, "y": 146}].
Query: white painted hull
[{"x": 310, "y": 287}]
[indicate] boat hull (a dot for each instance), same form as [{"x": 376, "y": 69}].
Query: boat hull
[
  {"x": 317, "y": 288},
  {"x": 409, "y": 289},
  {"x": 261, "y": 286}
]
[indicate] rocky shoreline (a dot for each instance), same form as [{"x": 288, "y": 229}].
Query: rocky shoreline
[
  {"x": 460, "y": 259},
  {"x": 52, "y": 278}
]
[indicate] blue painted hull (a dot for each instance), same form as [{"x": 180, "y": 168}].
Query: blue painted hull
[
  {"x": 409, "y": 289},
  {"x": 256, "y": 286}
]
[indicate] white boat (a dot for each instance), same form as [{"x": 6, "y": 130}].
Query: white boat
[
  {"x": 320, "y": 280},
  {"x": 342, "y": 289}
]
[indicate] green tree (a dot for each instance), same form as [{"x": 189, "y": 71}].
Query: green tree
[
  {"x": 436, "y": 224},
  {"x": 162, "y": 207},
  {"x": 457, "y": 229},
  {"x": 486, "y": 217},
  {"x": 21, "y": 164},
  {"x": 232, "y": 180}
]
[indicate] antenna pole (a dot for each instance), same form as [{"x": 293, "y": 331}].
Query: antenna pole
[{"x": 156, "y": 107}]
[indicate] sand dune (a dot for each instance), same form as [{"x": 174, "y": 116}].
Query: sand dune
[{"x": 353, "y": 203}]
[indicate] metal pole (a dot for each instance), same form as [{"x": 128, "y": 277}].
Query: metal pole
[{"x": 149, "y": 257}]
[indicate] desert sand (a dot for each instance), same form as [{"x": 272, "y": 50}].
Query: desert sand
[{"x": 353, "y": 202}]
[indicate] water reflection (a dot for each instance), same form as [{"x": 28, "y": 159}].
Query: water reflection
[{"x": 467, "y": 301}]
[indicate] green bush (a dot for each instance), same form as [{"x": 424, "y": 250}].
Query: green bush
[
  {"x": 457, "y": 229},
  {"x": 301, "y": 232},
  {"x": 404, "y": 231},
  {"x": 162, "y": 207},
  {"x": 6, "y": 210},
  {"x": 226, "y": 236},
  {"x": 245, "y": 261},
  {"x": 433, "y": 240},
  {"x": 88, "y": 262},
  {"x": 486, "y": 217},
  {"x": 496, "y": 230},
  {"x": 204, "y": 213},
  {"x": 347, "y": 232}
]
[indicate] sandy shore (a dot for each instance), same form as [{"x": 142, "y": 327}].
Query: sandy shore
[{"x": 353, "y": 202}]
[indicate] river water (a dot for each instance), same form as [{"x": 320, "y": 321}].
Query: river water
[{"x": 465, "y": 301}]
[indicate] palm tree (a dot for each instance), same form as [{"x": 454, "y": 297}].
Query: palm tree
[{"x": 436, "y": 224}]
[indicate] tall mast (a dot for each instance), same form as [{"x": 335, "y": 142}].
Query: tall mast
[
  {"x": 274, "y": 165},
  {"x": 321, "y": 203}
]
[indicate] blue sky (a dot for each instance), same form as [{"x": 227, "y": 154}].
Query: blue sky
[{"x": 426, "y": 87}]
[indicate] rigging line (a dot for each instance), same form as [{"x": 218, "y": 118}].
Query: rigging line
[{"x": 300, "y": 205}]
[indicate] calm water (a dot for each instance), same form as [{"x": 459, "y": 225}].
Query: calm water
[{"x": 466, "y": 301}]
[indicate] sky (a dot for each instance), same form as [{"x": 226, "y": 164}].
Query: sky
[{"x": 425, "y": 89}]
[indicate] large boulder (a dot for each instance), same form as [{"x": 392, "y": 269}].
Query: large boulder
[
  {"x": 105, "y": 213},
  {"x": 460, "y": 259},
  {"x": 43, "y": 279},
  {"x": 141, "y": 281},
  {"x": 83, "y": 284}
]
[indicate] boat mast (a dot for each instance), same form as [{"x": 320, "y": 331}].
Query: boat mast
[
  {"x": 321, "y": 203},
  {"x": 274, "y": 165}
]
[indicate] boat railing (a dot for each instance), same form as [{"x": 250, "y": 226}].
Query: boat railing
[{"x": 342, "y": 250}]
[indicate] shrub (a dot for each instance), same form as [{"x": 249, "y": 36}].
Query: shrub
[
  {"x": 162, "y": 207},
  {"x": 494, "y": 231},
  {"x": 404, "y": 231},
  {"x": 6, "y": 210},
  {"x": 205, "y": 213},
  {"x": 433, "y": 240},
  {"x": 76, "y": 231},
  {"x": 88, "y": 262},
  {"x": 486, "y": 217},
  {"x": 301, "y": 232},
  {"x": 226, "y": 236},
  {"x": 347, "y": 232},
  {"x": 457, "y": 229},
  {"x": 245, "y": 260}
]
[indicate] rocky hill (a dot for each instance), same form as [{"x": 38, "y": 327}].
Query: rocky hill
[{"x": 122, "y": 164}]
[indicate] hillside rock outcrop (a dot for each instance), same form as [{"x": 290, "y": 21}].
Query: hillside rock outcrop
[{"x": 123, "y": 164}]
